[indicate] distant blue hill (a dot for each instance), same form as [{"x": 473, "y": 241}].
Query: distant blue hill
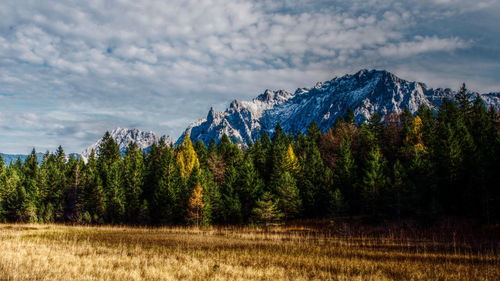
[{"x": 11, "y": 158}]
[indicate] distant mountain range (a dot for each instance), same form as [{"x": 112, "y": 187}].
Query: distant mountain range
[
  {"x": 12, "y": 158},
  {"x": 365, "y": 92}
]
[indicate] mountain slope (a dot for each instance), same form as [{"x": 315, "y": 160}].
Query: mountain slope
[
  {"x": 124, "y": 137},
  {"x": 366, "y": 92}
]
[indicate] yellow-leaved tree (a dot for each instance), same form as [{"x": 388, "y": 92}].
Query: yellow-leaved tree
[
  {"x": 416, "y": 136},
  {"x": 196, "y": 205},
  {"x": 187, "y": 159},
  {"x": 291, "y": 162}
]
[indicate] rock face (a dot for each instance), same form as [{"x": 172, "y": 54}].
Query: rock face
[
  {"x": 124, "y": 137},
  {"x": 366, "y": 92}
]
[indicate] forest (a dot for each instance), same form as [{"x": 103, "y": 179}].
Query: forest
[{"x": 420, "y": 166}]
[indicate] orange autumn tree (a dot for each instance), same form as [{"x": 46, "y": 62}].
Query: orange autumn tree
[{"x": 196, "y": 205}]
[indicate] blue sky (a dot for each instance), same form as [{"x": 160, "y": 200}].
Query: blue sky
[{"x": 70, "y": 70}]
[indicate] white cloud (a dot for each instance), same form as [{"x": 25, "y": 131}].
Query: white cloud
[
  {"x": 158, "y": 64},
  {"x": 421, "y": 45}
]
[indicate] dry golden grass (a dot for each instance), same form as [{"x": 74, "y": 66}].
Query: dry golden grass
[{"x": 56, "y": 252}]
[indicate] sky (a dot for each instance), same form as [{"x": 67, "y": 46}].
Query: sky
[{"x": 70, "y": 70}]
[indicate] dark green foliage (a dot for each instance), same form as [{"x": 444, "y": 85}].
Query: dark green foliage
[
  {"x": 419, "y": 166},
  {"x": 133, "y": 180},
  {"x": 266, "y": 210}
]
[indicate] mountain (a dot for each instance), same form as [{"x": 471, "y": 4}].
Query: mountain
[
  {"x": 124, "y": 137},
  {"x": 11, "y": 158},
  {"x": 365, "y": 92}
]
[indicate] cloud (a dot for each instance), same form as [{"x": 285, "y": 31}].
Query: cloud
[
  {"x": 94, "y": 65},
  {"x": 421, "y": 45}
]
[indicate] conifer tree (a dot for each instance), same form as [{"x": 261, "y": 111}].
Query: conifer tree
[
  {"x": 464, "y": 99},
  {"x": 314, "y": 133},
  {"x": 15, "y": 201},
  {"x": 133, "y": 174},
  {"x": 94, "y": 196},
  {"x": 249, "y": 186},
  {"x": 2, "y": 189},
  {"x": 202, "y": 153},
  {"x": 74, "y": 193},
  {"x": 289, "y": 201},
  {"x": 230, "y": 202},
  {"x": 30, "y": 185},
  {"x": 115, "y": 194},
  {"x": 345, "y": 173},
  {"x": 373, "y": 181},
  {"x": 266, "y": 211}
]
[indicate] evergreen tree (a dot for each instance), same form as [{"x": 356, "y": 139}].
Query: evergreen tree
[
  {"x": 165, "y": 189},
  {"x": 345, "y": 173},
  {"x": 94, "y": 197},
  {"x": 249, "y": 186},
  {"x": 266, "y": 211},
  {"x": 202, "y": 153},
  {"x": 74, "y": 193},
  {"x": 289, "y": 201},
  {"x": 373, "y": 182},
  {"x": 464, "y": 99},
  {"x": 133, "y": 174},
  {"x": 30, "y": 185},
  {"x": 314, "y": 133},
  {"x": 15, "y": 203}
]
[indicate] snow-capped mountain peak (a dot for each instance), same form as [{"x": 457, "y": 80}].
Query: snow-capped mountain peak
[
  {"x": 365, "y": 92},
  {"x": 124, "y": 137}
]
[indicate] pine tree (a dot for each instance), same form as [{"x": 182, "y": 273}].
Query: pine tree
[
  {"x": 3, "y": 190},
  {"x": 15, "y": 201},
  {"x": 202, "y": 153},
  {"x": 164, "y": 188},
  {"x": 74, "y": 208},
  {"x": 249, "y": 186},
  {"x": 464, "y": 99},
  {"x": 373, "y": 182},
  {"x": 94, "y": 197},
  {"x": 261, "y": 153},
  {"x": 289, "y": 201},
  {"x": 230, "y": 202},
  {"x": 30, "y": 185},
  {"x": 115, "y": 194},
  {"x": 314, "y": 133},
  {"x": 266, "y": 211},
  {"x": 133, "y": 174},
  {"x": 345, "y": 172},
  {"x": 109, "y": 152}
]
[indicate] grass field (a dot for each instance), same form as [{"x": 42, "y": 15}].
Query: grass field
[{"x": 57, "y": 252}]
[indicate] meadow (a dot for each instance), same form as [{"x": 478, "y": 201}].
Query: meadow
[{"x": 59, "y": 252}]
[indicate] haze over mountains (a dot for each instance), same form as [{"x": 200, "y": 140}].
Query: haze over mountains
[{"x": 365, "y": 92}]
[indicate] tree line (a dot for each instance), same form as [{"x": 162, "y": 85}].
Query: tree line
[{"x": 409, "y": 166}]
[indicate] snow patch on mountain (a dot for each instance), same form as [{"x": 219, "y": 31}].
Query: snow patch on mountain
[
  {"x": 365, "y": 92},
  {"x": 124, "y": 137}
]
